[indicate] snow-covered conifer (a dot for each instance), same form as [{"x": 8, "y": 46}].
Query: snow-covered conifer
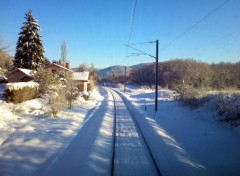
[{"x": 29, "y": 49}]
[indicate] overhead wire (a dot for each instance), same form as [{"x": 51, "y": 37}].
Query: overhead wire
[
  {"x": 230, "y": 37},
  {"x": 211, "y": 48},
  {"x": 130, "y": 29},
  {"x": 194, "y": 25},
  {"x": 142, "y": 52},
  {"x": 132, "y": 19},
  {"x": 141, "y": 43}
]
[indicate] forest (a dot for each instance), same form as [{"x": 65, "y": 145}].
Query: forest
[{"x": 196, "y": 74}]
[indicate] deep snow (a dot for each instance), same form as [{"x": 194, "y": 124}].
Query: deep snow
[{"x": 184, "y": 141}]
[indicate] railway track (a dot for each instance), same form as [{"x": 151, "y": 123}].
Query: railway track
[
  {"x": 131, "y": 152},
  {"x": 109, "y": 143}
]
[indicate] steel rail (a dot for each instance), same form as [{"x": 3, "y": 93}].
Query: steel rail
[{"x": 138, "y": 129}]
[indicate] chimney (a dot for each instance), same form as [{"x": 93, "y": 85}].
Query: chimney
[
  {"x": 54, "y": 61},
  {"x": 67, "y": 65}
]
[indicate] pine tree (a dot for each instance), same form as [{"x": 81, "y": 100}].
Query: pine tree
[{"x": 29, "y": 49}]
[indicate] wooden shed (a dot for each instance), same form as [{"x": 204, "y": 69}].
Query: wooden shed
[
  {"x": 20, "y": 75},
  {"x": 82, "y": 80}
]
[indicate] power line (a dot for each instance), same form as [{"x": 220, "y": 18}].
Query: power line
[
  {"x": 132, "y": 19},
  {"x": 228, "y": 43},
  {"x": 230, "y": 37},
  {"x": 142, "y": 52},
  {"x": 195, "y": 24},
  {"x": 131, "y": 27},
  {"x": 141, "y": 43}
]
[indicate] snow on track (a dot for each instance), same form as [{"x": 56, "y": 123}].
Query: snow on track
[{"x": 131, "y": 153}]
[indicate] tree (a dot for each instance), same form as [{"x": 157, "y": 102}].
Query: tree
[
  {"x": 46, "y": 80},
  {"x": 224, "y": 75},
  {"x": 5, "y": 58},
  {"x": 3, "y": 45},
  {"x": 83, "y": 67},
  {"x": 93, "y": 77},
  {"x": 71, "y": 91},
  {"x": 5, "y": 63},
  {"x": 29, "y": 49},
  {"x": 143, "y": 75},
  {"x": 47, "y": 61},
  {"x": 64, "y": 53}
]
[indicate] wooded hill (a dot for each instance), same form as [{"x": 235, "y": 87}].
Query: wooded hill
[
  {"x": 184, "y": 71},
  {"x": 118, "y": 70}
]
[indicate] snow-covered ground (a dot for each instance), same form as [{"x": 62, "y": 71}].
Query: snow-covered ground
[
  {"x": 184, "y": 141},
  {"x": 30, "y": 138}
]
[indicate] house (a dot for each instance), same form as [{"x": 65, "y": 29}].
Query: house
[
  {"x": 20, "y": 75},
  {"x": 25, "y": 75},
  {"x": 56, "y": 68},
  {"x": 82, "y": 80}
]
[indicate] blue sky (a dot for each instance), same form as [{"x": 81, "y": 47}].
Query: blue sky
[{"x": 96, "y": 30}]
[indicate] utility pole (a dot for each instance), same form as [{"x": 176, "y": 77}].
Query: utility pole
[
  {"x": 156, "y": 75},
  {"x": 156, "y": 79},
  {"x": 125, "y": 78}
]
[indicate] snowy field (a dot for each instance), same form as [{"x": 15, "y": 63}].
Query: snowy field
[
  {"x": 184, "y": 141},
  {"x": 188, "y": 142}
]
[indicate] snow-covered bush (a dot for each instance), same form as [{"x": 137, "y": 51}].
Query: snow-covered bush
[
  {"x": 46, "y": 80},
  {"x": 57, "y": 100},
  {"x": 228, "y": 107},
  {"x": 72, "y": 92},
  {"x": 86, "y": 95},
  {"x": 145, "y": 87},
  {"x": 120, "y": 86},
  {"x": 62, "y": 90},
  {"x": 20, "y": 92},
  {"x": 191, "y": 96}
]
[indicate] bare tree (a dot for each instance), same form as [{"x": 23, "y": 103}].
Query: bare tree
[
  {"x": 64, "y": 53},
  {"x": 3, "y": 45},
  {"x": 6, "y": 60},
  {"x": 83, "y": 67},
  {"x": 71, "y": 92},
  {"x": 6, "y": 63}
]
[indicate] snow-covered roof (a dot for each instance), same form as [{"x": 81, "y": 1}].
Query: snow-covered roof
[
  {"x": 2, "y": 78},
  {"x": 80, "y": 76},
  {"x": 60, "y": 66},
  {"x": 26, "y": 71}
]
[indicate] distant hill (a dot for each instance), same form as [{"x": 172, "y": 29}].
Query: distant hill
[
  {"x": 118, "y": 70},
  {"x": 74, "y": 69}
]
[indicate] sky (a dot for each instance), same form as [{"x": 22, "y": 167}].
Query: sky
[{"x": 96, "y": 31}]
